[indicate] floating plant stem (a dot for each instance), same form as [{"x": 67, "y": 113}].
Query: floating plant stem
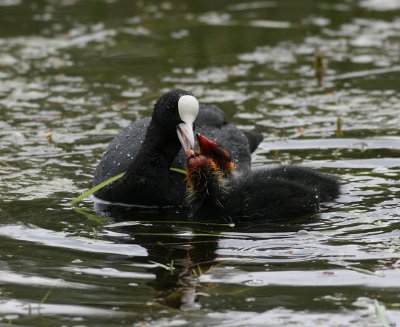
[
  {"x": 44, "y": 298},
  {"x": 109, "y": 181},
  {"x": 197, "y": 271},
  {"x": 362, "y": 270},
  {"x": 380, "y": 312},
  {"x": 170, "y": 267},
  {"x": 96, "y": 188},
  {"x": 319, "y": 67},
  {"x": 339, "y": 131},
  {"x": 169, "y": 222},
  {"x": 179, "y": 235},
  {"x": 178, "y": 170}
]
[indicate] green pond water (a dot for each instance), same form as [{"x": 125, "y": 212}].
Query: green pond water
[{"x": 73, "y": 73}]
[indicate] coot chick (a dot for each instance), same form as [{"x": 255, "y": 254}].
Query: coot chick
[
  {"x": 252, "y": 195},
  {"x": 326, "y": 186},
  {"x": 147, "y": 148}
]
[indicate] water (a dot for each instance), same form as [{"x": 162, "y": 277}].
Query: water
[{"x": 73, "y": 73}]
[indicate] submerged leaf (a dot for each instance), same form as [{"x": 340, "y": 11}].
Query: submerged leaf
[{"x": 90, "y": 215}]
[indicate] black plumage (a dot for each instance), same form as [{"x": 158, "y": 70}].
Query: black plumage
[
  {"x": 147, "y": 148},
  {"x": 215, "y": 190},
  {"x": 251, "y": 195}
]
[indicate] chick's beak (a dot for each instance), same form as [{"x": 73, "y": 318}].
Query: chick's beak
[
  {"x": 206, "y": 146},
  {"x": 213, "y": 149}
]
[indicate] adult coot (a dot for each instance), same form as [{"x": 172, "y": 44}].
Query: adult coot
[
  {"x": 147, "y": 148},
  {"x": 256, "y": 194}
]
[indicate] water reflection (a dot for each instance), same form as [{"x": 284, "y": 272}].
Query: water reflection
[{"x": 178, "y": 254}]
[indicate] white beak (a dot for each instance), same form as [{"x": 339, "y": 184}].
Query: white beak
[{"x": 186, "y": 136}]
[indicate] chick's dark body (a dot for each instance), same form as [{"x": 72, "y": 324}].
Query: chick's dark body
[{"x": 251, "y": 195}]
